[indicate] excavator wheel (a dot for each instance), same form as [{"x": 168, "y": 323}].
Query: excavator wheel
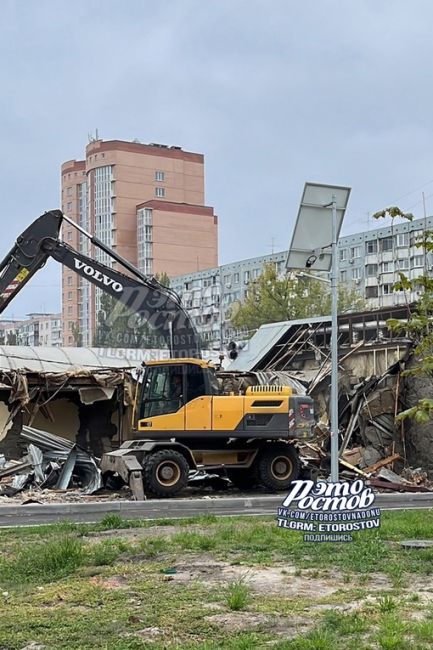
[
  {"x": 165, "y": 473},
  {"x": 244, "y": 479},
  {"x": 278, "y": 465}
]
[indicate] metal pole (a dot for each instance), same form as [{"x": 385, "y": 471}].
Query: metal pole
[
  {"x": 220, "y": 288},
  {"x": 334, "y": 346}
]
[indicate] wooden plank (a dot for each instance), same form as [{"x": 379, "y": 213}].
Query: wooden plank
[
  {"x": 382, "y": 463},
  {"x": 353, "y": 468}
]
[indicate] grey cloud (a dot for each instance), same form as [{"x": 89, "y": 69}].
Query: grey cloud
[{"x": 273, "y": 93}]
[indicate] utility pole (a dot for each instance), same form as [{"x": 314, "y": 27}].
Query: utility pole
[{"x": 334, "y": 346}]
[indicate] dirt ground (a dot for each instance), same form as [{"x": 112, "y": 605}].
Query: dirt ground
[{"x": 322, "y": 589}]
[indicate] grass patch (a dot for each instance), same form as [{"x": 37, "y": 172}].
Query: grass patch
[
  {"x": 237, "y": 594},
  {"x": 68, "y": 591},
  {"x": 387, "y": 604},
  {"x": 47, "y": 562}
]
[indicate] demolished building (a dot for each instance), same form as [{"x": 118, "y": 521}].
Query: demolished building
[
  {"x": 82, "y": 394},
  {"x": 372, "y": 389}
]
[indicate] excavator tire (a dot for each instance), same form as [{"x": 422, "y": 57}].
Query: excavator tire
[
  {"x": 278, "y": 465},
  {"x": 165, "y": 473}
]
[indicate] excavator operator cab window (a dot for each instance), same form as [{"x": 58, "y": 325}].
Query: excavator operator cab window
[{"x": 167, "y": 388}]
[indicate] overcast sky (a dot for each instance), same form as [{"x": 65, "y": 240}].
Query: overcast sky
[{"x": 273, "y": 93}]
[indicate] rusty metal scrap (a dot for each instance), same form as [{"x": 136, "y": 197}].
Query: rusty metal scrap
[{"x": 397, "y": 487}]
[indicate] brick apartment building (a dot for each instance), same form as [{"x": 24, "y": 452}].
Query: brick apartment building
[{"x": 146, "y": 201}]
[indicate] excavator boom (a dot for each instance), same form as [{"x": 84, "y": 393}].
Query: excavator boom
[
  {"x": 157, "y": 305},
  {"x": 27, "y": 256}
]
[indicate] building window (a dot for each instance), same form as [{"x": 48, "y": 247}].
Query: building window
[
  {"x": 417, "y": 237},
  {"x": 371, "y": 292},
  {"x": 103, "y": 216},
  {"x": 69, "y": 235},
  {"x": 356, "y": 273},
  {"x": 387, "y": 267},
  {"x": 145, "y": 240},
  {"x": 160, "y": 192},
  {"x": 69, "y": 311},
  {"x": 227, "y": 280},
  {"x": 386, "y": 244},
  {"x": 69, "y": 191},
  {"x": 371, "y": 247},
  {"x": 402, "y": 265},
  {"x": 343, "y": 254},
  {"x": 68, "y": 206},
  {"x": 402, "y": 239},
  {"x": 256, "y": 273},
  {"x": 343, "y": 276},
  {"x": 355, "y": 252},
  {"x": 159, "y": 176},
  {"x": 69, "y": 295},
  {"x": 371, "y": 270},
  {"x": 236, "y": 278},
  {"x": 418, "y": 260},
  {"x": 246, "y": 276},
  {"x": 387, "y": 289}
]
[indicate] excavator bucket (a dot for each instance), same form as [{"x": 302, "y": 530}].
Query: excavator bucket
[{"x": 28, "y": 255}]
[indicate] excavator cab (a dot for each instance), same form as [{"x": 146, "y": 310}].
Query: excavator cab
[{"x": 168, "y": 388}]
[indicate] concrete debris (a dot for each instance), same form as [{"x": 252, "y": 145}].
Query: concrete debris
[{"x": 371, "y": 444}]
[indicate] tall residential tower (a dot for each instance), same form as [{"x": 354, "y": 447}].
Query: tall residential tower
[{"x": 146, "y": 201}]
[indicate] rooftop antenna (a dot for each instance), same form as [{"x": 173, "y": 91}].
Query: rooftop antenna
[
  {"x": 93, "y": 138},
  {"x": 272, "y": 245}
]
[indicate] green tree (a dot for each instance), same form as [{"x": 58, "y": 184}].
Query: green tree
[
  {"x": 163, "y": 278},
  {"x": 119, "y": 327},
  {"x": 75, "y": 331},
  {"x": 419, "y": 325},
  {"x": 272, "y": 299},
  {"x": 11, "y": 338}
]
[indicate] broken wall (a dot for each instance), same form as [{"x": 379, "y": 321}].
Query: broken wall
[{"x": 418, "y": 437}]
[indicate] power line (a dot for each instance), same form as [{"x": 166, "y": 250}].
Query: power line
[{"x": 413, "y": 191}]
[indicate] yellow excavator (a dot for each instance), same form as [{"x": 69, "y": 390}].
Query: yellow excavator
[{"x": 185, "y": 419}]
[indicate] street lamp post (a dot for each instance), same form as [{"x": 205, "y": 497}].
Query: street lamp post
[
  {"x": 334, "y": 346},
  {"x": 314, "y": 246}
]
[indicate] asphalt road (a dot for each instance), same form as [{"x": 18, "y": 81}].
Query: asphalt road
[{"x": 36, "y": 514}]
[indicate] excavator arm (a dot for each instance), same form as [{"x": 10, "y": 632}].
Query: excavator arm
[{"x": 157, "y": 305}]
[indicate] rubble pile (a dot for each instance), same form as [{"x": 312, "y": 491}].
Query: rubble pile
[
  {"x": 372, "y": 444},
  {"x": 51, "y": 463}
]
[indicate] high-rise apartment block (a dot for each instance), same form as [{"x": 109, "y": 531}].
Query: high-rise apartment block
[
  {"x": 369, "y": 262},
  {"x": 145, "y": 201}
]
